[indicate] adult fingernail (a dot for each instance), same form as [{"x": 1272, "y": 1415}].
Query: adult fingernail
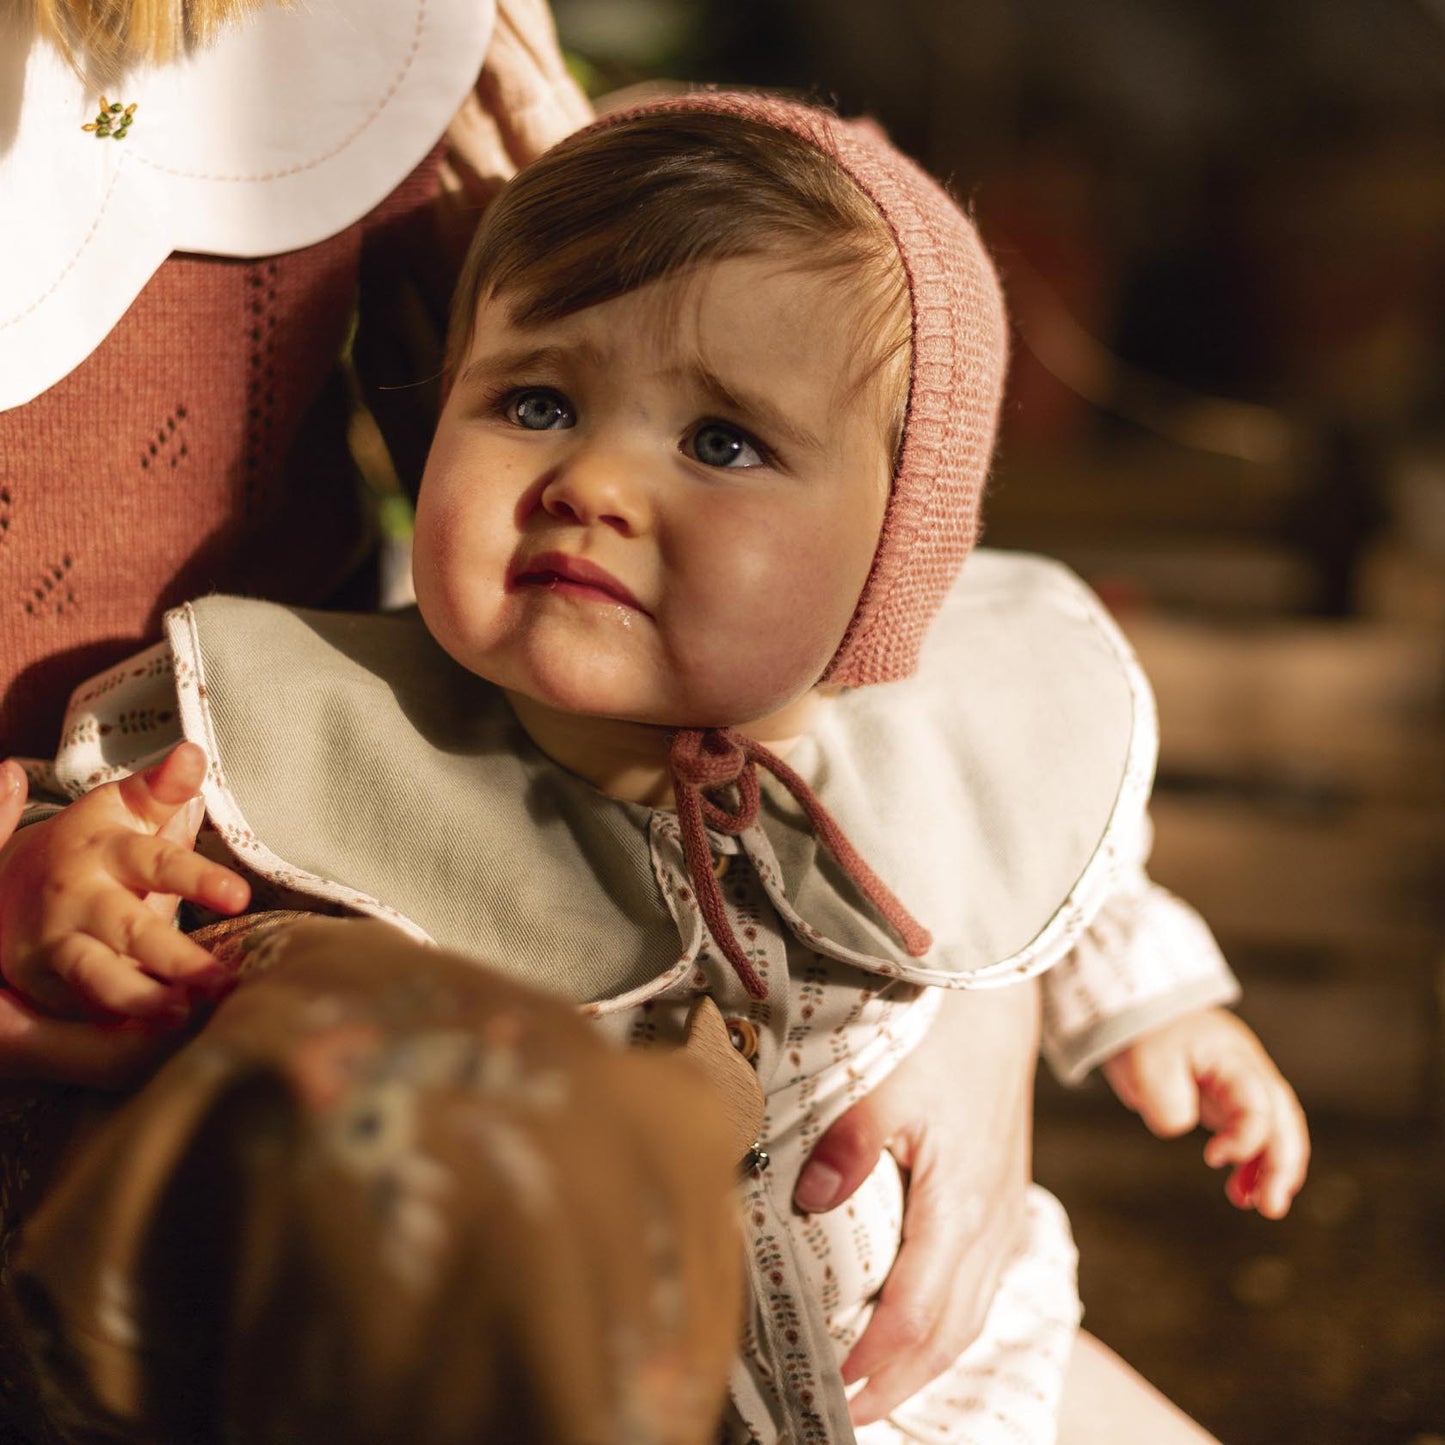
[{"x": 818, "y": 1188}]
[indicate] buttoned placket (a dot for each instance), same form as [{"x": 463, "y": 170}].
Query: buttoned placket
[{"x": 788, "y": 1375}]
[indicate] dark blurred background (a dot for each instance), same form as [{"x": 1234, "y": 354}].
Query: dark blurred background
[{"x": 1222, "y": 230}]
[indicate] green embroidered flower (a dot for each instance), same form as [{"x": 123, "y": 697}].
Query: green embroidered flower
[{"x": 113, "y": 121}]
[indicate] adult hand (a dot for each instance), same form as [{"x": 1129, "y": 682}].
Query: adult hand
[
  {"x": 35, "y": 1046},
  {"x": 957, "y": 1116},
  {"x": 525, "y": 102}
]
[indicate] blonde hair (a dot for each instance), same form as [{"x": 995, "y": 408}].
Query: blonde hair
[{"x": 108, "y": 37}]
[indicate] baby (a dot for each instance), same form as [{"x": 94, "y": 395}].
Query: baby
[{"x": 697, "y": 701}]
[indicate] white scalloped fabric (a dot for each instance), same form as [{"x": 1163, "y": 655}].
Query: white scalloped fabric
[{"x": 281, "y": 134}]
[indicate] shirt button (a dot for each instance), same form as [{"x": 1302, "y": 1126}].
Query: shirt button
[{"x": 743, "y": 1036}]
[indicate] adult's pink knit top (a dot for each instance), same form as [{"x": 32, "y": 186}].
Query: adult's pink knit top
[{"x": 172, "y": 406}]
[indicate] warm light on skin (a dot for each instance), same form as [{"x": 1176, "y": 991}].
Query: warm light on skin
[{"x": 742, "y": 578}]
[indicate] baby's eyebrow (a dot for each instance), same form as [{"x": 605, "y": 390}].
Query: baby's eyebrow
[
  {"x": 753, "y": 407},
  {"x": 523, "y": 359}
]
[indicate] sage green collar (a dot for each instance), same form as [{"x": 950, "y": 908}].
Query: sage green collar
[{"x": 355, "y": 762}]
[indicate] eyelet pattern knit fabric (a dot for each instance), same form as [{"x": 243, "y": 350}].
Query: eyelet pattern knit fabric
[
  {"x": 960, "y": 351},
  {"x": 201, "y": 447}
]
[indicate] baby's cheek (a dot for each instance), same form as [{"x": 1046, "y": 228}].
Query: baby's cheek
[
  {"x": 461, "y": 536},
  {"x": 792, "y": 567},
  {"x": 435, "y": 530},
  {"x": 781, "y": 610},
  {"x": 433, "y": 564},
  {"x": 455, "y": 588}
]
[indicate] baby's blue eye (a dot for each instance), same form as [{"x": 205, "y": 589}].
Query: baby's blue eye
[
  {"x": 716, "y": 444},
  {"x": 540, "y": 409}
]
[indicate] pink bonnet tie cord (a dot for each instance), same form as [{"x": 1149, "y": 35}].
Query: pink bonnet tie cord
[{"x": 703, "y": 761}]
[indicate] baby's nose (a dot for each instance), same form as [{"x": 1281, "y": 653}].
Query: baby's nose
[{"x": 598, "y": 487}]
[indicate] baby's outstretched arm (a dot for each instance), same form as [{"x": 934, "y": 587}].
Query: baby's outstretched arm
[
  {"x": 1208, "y": 1068},
  {"x": 87, "y": 898}
]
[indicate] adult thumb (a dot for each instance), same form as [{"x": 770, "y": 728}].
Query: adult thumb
[
  {"x": 842, "y": 1159},
  {"x": 13, "y": 792}
]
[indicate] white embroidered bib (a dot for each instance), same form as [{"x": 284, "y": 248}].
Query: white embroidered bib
[{"x": 287, "y": 130}]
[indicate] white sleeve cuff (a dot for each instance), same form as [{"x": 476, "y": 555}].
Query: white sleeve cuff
[{"x": 1146, "y": 959}]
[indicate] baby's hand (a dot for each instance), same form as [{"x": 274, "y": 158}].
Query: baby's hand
[
  {"x": 87, "y": 898},
  {"x": 1208, "y": 1068}
]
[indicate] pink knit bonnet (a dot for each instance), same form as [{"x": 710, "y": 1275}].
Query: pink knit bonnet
[{"x": 960, "y": 347}]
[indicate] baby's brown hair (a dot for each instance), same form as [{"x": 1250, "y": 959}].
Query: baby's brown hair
[{"x": 633, "y": 201}]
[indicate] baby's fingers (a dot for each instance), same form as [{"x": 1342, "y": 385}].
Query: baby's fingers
[
  {"x": 104, "y": 1055},
  {"x": 1159, "y": 1087},
  {"x": 154, "y": 795},
  {"x": 1242, "y": 1183},
  {"x": 1286, "y": 1160},
  {"x": 1241, "y": 1116},
  {"x": 145, "y": 864},
  {"x": 1271, "y": 1150},
  {"x": 147, "y": 942},
  {"x": 105, "y": 982}
]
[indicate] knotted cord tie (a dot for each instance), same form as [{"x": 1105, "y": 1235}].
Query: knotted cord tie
[{"x": 703, "y": 761}]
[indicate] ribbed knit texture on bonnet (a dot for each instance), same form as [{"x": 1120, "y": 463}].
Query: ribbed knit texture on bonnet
[{"x": 960, "y": 349}]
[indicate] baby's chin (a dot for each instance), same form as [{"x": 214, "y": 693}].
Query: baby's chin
[
  {"x": 776, "y": 718},
  {"x": 775, "y": 721},
  {"x": 657, "y": 697}
]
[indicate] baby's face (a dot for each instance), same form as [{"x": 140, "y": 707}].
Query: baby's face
[{"x": 662, "y": 508}]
